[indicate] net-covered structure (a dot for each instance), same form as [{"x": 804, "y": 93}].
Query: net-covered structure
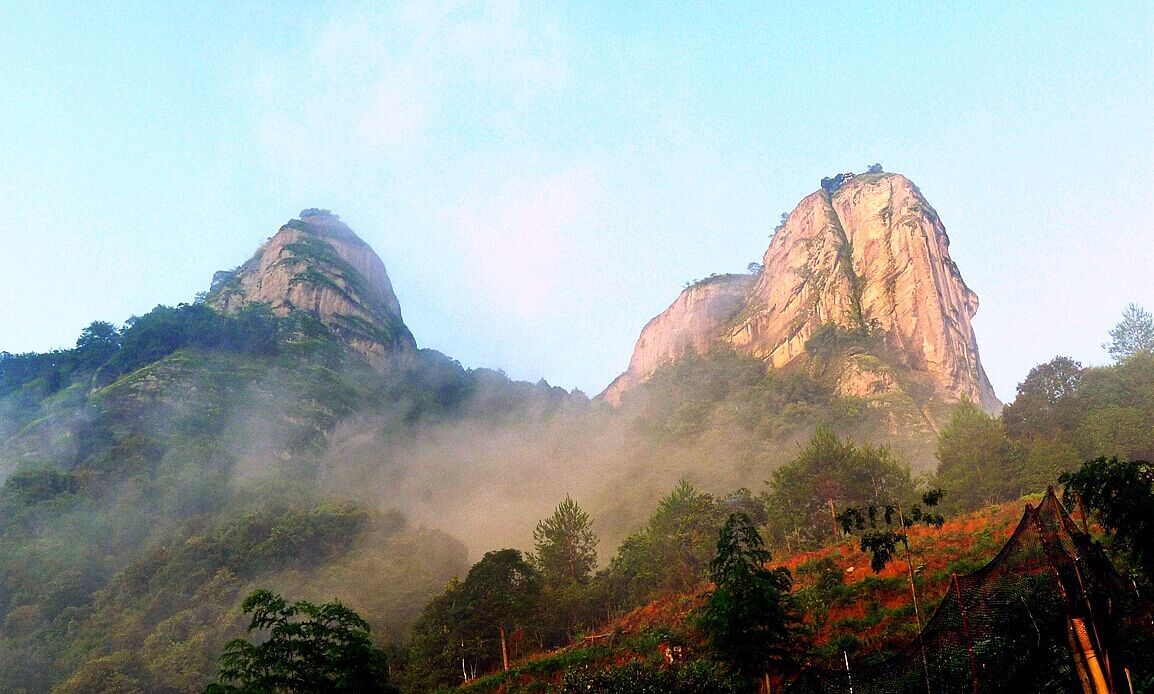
[{"x": 1044, "y": 615}]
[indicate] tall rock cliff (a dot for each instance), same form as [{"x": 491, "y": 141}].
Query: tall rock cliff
[
  {"x": 866, "y": 256},
  {"x": 318, "y": 265},
  {"x": 702, "y": 312}
]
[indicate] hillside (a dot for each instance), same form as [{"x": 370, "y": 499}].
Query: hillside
[
  {"x": 285, "y": 431},
  {"x": 998, "y": 591}
]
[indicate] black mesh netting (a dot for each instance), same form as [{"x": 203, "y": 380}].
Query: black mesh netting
[{"x": 1005, "y": 627}]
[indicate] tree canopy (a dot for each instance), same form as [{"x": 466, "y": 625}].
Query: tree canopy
[
  {"x": 565, "y": 544},
  {"x": 831, "y": 470},
  {"x": 1121, "y": 495},
  {"x": 973, "y": 451},
  {"x": 310, "y": 648},
  {"x": 749, "y": 618},
  {"x": 1134, "y": 333}
]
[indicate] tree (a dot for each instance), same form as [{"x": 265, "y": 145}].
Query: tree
[
  {"x": 671, "y": 554},
  {"x": 780, "y": 224},
  {"x": 566, "y": 547},
  {"x": 1121, "y": 495},
  {"x": 749, "y": 618},
  {"x": 881, "y": 543},
  {"x": 566, "y": 552},
  {"x": 97, "y": 344},
  {"x": 466, "y": 629},
  {"x": 829, "y": 472},
  {"x": 309, "y": 648},
  {"x": 500, "y": 594},
  {"x": 1045, "y": 404},
  {"x": 976, "y": 459},
  {"x": 1134, "y": 333},
  {"x": 874, "y": 169}
]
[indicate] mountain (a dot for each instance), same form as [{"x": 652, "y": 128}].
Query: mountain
[
  {"x": 316, "y": 264},
  {"x": 859, "y": 277},
  {"x": 285, "y": 432}
]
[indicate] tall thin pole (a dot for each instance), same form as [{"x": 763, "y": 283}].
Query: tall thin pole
[
  {"x": 914, "y": 593},
  {"x": 848, "y": 676},
  {"x": 1094, "y": 624},
  {"x": 910, "y": 566}
]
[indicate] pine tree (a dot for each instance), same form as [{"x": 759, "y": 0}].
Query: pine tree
[
  {"x": 566, "y": 547},
  {"x": 566, "y": 552},
  {"x": 749, "y": 618},
  {"x": 1134, "y": 333}
]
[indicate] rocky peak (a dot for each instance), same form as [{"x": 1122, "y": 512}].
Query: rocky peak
[
  {"x": 692, "y": 323},
  {"x": 865, "y": 255},
  {"x": 318, "y": 265}
]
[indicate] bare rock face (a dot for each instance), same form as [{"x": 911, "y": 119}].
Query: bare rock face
[
  {"x": 693, "y": 322},
  {"x": 318, "y": 265},
  {"x": 869, "y": 258}
]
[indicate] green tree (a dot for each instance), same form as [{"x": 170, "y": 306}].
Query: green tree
[
  {"x": 566, "y": 546},
  {"x": 500, "y": 594},
  {"x": 97, "y": 344},
  {"x": 1134, "y": 333},
  {"x": 465, "y": 630},
  {"x": 309, "y": 648},
  {"x": 437, "y": 644},
  {"x": 671, "y": 554},
  {"x": 565, "y": 554},
  {"x": 826, "y": 474},
  {"x": 1045, "y": 405},
  {"x": 1121, "y": 496},
  {"x": 976, "y": 461},
  {"x": 749, "y": 619},
  {"x": 881, "y": 542}
]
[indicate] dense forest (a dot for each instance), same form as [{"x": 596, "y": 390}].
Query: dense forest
[{"x": 159, "y": 474}]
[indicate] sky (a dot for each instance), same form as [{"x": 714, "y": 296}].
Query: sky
[{"x": 543, "y": 178}]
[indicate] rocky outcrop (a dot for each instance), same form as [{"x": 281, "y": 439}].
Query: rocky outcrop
[
  {"x": 693, "y": 322},
  {"x": 318, "y": 265},
  {"x": 868, "y": 257}
]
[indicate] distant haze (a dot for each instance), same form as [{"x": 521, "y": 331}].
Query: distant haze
[{"x": 540, "y": 181}]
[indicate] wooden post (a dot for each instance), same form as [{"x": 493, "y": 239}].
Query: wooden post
[
  {"x": 1094, "y": 626},
  {"x": 1079, "y": 660},
  {"x": 1093, "y": 665},
  {"x": 910, "y": 566}
]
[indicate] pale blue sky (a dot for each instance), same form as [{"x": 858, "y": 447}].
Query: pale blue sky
[{"x": 542, "y": 179}]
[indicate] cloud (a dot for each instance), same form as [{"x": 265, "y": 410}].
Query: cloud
[
  {"x": 518, "y": 239},
  {"x": 372, "y": 84},
  {"x": 398, "y": 113}
]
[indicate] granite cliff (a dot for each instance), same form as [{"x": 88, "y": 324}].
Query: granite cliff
[
  {"x": 860, "y": 268},
  {"x": 316, "y": 264}
]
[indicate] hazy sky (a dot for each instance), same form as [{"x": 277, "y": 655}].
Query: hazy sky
[{"x": 542, "y": 179}]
